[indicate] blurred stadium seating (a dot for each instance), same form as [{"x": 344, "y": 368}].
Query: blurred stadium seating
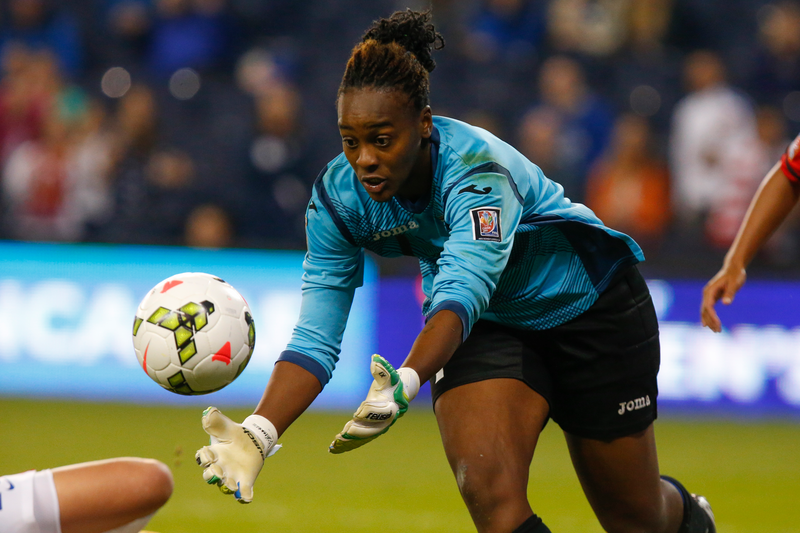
[{"x": 130, "y": 120}]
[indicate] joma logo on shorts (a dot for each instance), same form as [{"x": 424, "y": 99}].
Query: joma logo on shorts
[
  {"x": 633, "y": 405},
  {"x": 394, "y": 231}
]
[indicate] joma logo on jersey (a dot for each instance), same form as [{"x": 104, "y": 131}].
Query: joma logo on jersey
[
  {"x": 634, "y": 405},
  {"x": 378, "y": 416},
  {"x": 394, "y": 231}
]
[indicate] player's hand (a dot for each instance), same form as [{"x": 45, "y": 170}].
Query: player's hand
[
  {"x": 236, "y": 453},
  {"x": 723, "y": 286},
  {"x": 386, "y": 401}
]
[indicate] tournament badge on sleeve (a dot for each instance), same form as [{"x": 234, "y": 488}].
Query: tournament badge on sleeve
[{"x": 486, "y": 224}]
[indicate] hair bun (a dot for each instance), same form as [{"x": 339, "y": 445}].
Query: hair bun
[{"x": 413, "y": 31}]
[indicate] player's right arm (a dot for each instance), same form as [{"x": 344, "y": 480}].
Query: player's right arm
[
  {"x": 776, "y": 196},
  {"x": 333, "y": 268}
]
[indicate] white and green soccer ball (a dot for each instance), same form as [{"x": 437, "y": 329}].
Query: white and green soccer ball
[{"x": 193, "y": 333}]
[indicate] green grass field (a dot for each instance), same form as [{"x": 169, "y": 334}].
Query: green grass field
[{"x": 749, "y": 471}]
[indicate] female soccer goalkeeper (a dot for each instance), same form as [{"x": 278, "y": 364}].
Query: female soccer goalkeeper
[{"x": 534, "y": 309}]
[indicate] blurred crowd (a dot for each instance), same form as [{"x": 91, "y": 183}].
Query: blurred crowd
[{"x": 205, "y": 122}]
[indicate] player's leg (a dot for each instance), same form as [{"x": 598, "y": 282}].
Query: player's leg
[
  {"x": 489, "y": 430},
  {"x": 491, "y": 403},
  {"x": 622, "y": 483},
  {"x": 101, "y": 496},
  {"x": 605, "y": 400}
]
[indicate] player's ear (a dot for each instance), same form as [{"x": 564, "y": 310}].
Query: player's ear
[{"x": 426, "y": 122}]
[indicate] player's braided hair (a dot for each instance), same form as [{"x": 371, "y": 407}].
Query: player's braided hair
[{"x": 395, "y": 53}]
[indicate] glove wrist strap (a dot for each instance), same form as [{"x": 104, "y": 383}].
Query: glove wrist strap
[
  {"x": 410, "y": 380},
  {"x": 263, "y": 432}
]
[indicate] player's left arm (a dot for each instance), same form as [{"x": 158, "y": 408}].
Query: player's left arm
[
  {"x": 482, "y": 220},
  {"x": 482, "y": 212}
]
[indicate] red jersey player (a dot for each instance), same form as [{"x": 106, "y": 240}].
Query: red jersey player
[{"x": 772, "y": 203}]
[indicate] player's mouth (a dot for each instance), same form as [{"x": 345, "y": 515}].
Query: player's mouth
[{"x": 374, "y": 184}]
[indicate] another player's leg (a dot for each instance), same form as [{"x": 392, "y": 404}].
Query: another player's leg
[
  {"x": 489, "y": 430},
  {"x": 118, "y": 495},
  {"x": 622, "y": 483}
]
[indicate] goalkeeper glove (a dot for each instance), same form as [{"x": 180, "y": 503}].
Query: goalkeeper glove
[
  {"x": 386, "y": 401},
  {"x": 236, "y": 453}
]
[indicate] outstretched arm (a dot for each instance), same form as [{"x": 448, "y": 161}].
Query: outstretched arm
[
  {"x": 774, "y": 200},
  {"x": 332, "y": 270}
]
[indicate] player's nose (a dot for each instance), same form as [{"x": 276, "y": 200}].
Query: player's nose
[{"x": 367, "y": 159}]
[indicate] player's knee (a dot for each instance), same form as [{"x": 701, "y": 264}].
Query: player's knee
[
  {"x": 471, "y": 484},
  {"x": 154, "y": 484},
  {"x": 487, "y": 487},
  {"x": 162, "y": 482}
]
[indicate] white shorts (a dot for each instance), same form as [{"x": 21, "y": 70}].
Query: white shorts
[{"x": 29, "y": 503}]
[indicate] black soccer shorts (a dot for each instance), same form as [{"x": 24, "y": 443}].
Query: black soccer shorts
[{"x": 597, "y": 371}]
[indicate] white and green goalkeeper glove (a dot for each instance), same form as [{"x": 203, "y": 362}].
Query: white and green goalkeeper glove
[
  {"x": 387, "y": 400},
  {"x": 236, "y": 453}
]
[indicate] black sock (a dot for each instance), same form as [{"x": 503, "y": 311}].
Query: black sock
[
  {"x": 694, "y": 517},
  {"x": 533, "y": 524}
]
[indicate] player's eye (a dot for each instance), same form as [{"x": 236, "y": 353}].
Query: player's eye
[
  {"x": 349, "y": 142},
  {"x": 382, "y": 141}
]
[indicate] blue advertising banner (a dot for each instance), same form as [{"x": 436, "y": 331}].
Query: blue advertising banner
[
  {"x": 66, "y": 317},
  {"x": 751, "y": 369},
  {"x": 66, "y": 314}
]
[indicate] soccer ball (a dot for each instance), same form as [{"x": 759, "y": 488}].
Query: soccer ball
[{"x": 193, "y": 333}]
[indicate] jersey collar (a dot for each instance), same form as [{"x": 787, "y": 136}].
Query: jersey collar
[{"x": 422, "y": 203}]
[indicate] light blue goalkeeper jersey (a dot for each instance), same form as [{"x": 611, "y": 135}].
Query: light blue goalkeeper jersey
[{"x": 496, "y": 240}]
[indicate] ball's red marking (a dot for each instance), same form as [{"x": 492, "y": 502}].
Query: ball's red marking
[
  {"x": 224, "y": 354},
  {"x": 144, "y": 361},
  {"x": 170, "y": 284}
]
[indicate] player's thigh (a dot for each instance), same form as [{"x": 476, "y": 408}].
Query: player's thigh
[
  {"x": 491, "y": 402},
  {"x": 619, "y": 477},
  {"x": 489, "y": 430}
]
